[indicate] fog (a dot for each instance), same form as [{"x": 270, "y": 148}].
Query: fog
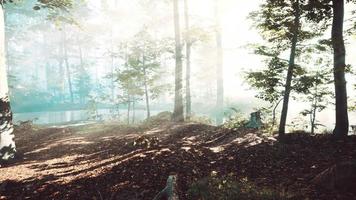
[{"x": 70, "y": 66}]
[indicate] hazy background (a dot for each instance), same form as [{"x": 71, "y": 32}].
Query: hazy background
[{"x": 100, "y": 29}]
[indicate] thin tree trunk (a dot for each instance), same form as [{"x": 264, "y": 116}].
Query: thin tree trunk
[
  {"x": 112, "y": 65},
  {"x": 342, "y": 120},
  {"x": 314, "y": 108},
  {"x": 69, "y": 79},
  {"x": 7, "y": 143},
  {"x": 133, "y": 110},
  {"x": 178, "y": 114},
  {"x": 146, "y": 88},
  {"x": 128, "y": 109},
  {"x": 219, "y": 68},
  {"x": 274, "y": 114},
  {"x": 82, "y": 70},
  {"x": 291, "y": 66},
  {"x": 188, "y": 62}
]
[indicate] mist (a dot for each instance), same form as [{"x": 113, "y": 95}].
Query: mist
[{"x": 65, "y": 66}]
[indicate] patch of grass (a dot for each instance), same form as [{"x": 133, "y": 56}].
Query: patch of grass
[{"x": 225, "y": 188}]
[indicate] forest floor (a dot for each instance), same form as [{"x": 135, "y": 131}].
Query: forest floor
[{"x": 108, "y": 161}]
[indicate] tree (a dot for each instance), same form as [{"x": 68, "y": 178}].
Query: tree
[
  {"x": 280, "y": 23},
  {"x": 270, "y": 82},
  {"x": 188, "y": 62},
  {"x": 66, "y": 61},
  {"x": 219, "y": 66},
  {"x": 295, "y": 32},
  {"x": 324, "y": 10},
  {"x": 141, "y": 76},
  {"x": 7, "y": 143},
  {"x": 178, "y": 113},
  {"x": 342, "y": 119}
]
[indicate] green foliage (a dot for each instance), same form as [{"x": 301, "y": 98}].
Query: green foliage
[
  {"x": 92, "y": 108},
  {"x": 82, "y": 84},
  {"x": 201, "y": 119},
  {"x": 226, "y": 188},
  {"x": 235, "y": 119},
  {"x": 143, "y": 68}
]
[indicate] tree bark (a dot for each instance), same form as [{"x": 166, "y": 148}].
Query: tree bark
[
  {"x": 342, "y": 121},
  {"x": 7, "y": 143},
  {"x": 219, "y": 68},
  {"x": 291, "y": 65},
  {"x": 178, "y": 114},
  {"x": 188, "y": 99}
]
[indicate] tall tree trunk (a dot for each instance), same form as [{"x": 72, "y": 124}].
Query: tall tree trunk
[
  {"x": 342, "y": 120},
  {"x": 69, "y": 79},
  {"x": 219, "y": 68},
  {"x": 188, "y": 103},
  {"x": 7, "y": 143},
  {"x": 133, "y": 110},
  {"x": 178, "y": 114},
  {"x": 112, "y": 65},
  {"x": 61, "y": 77},
  {"x": 146, "y": 88},
  {"x": 82, "y": 70},
  {"x": 291, "y": 65},
  {"x": 128, "y": 109}
]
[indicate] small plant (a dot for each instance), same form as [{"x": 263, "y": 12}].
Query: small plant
[
  {"x": 201, "y": 119},
  {"x": 225, "y": 188},
  {"x": 235, "y": 119}
]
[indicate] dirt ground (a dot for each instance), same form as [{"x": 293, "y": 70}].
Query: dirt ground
[{"x": 108, "y": 161}]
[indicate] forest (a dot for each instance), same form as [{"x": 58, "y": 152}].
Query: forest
[{"x": 178, "y": 99}]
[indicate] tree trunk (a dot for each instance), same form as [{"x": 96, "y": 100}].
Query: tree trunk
[
  {"x": 342, "y": 120},
  {"x": 188, "y": 100},
  {"x": 112, "y": 65},
  {"x": 128, "y": 109},
  {"x": 82, "y": 70},
  {"x": 291, "y": 66},
  {"x": 314, "y": 108},
  {"x": 219, "y": 69},
  {"x": 7, "y": 143},
  {"x": 274, "y": 114},
  {"x": 178, "y": 114},
  {"x": 146, "y": 88},
  {"x": 133, "y": 110},
  {"x": 69, "y": 79}
]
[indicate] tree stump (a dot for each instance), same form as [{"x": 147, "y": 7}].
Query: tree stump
[
  {"x": 170, "y": 191},
  {"x": 255, "y": 121}
]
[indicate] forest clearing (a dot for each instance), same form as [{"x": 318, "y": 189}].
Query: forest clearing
[{"x": 177, "y": 99}]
